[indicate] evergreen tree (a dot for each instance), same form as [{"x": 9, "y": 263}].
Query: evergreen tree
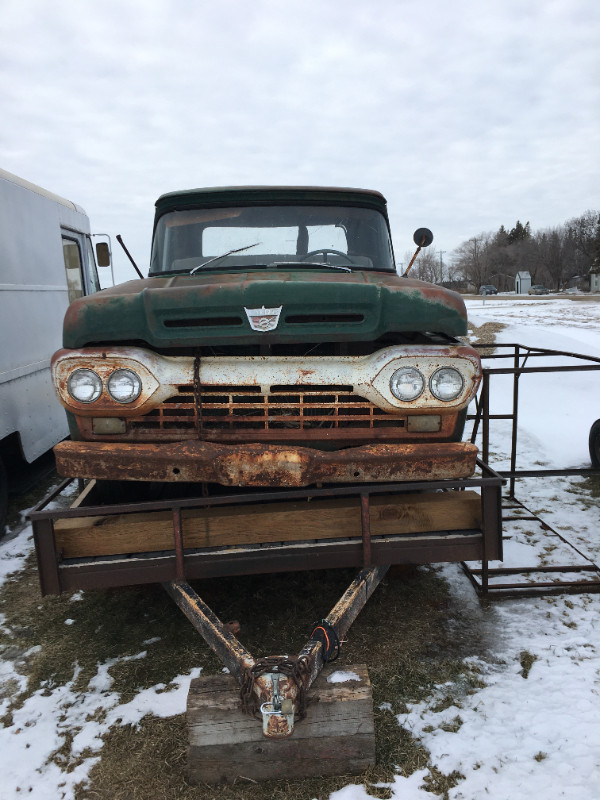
[{"x": 519, "y": 233}]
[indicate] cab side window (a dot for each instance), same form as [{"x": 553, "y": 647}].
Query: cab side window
[{"x": 72, "y": 256}]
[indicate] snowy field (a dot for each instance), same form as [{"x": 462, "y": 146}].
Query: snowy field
[
  {"x": 536, "y": 735},
  {"x": 532, "y": 729}
]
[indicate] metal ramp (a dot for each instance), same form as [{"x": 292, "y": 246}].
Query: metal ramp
[{"x": 538, "y": 560}]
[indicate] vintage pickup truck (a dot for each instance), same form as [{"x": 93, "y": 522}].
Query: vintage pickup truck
[
  {"x": 288, "y": 402},
  {"x": 273, "y": 344}
]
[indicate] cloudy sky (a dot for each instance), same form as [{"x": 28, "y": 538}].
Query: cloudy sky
[{"x": 466, "y": 115}]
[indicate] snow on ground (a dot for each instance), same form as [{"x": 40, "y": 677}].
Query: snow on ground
[
  {"x": 41, "y": 726},
  {"x": 534, "y": 728},
  {"x": 558, "y": 409},
  {"x": 520, "y": 735},
  {"x": 51, "y": 715}
]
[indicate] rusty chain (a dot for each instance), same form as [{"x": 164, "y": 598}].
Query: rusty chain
[
  {"x": 197, "y": 395},
  {"x": 298, "y": 669}
]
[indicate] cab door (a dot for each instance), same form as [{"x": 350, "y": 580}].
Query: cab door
[{"x": 80, "y": 265}]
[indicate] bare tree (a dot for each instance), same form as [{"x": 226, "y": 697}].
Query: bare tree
[
  {"x": 555, "y": 258},
  {"x": 473, "y": 259},
  {"x": 427, "y": 266}
]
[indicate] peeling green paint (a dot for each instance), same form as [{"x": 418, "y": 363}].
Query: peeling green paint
[{"x": 155, "y": 310}]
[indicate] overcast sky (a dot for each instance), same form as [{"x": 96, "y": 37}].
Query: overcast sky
[{"x": 466, "y": 114}]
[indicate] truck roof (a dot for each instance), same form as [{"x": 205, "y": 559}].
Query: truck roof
[{"x": 243, "y": 195}]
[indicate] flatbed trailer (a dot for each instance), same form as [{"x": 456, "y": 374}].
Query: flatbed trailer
[{"x": 173, "y": 541}]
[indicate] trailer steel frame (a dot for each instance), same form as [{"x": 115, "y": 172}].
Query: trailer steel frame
[
  {"x": 178, "y": 564},
  {"x": 274, "y": 687},
  {"x": 480, "y": 577}
]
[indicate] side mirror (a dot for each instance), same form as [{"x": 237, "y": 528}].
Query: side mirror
[
  {"x": 423, "y": 237},
  {"x": 103, "y": 254}
]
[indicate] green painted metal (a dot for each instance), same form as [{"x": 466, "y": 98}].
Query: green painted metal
[{"x": 155, "y": 310}]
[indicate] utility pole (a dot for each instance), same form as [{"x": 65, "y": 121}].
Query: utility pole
[{"x": 441, "y": 266}]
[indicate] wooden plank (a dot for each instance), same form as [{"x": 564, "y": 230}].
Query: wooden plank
[
  {"x": 337, "y": 737},
  {"x": 260, "y": 524},
  {"x": 81, "y": 498}
]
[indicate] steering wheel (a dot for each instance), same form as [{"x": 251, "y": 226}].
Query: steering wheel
[{"x": 326, "y": 251}]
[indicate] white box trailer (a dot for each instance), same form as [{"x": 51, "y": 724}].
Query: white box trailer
[{"x": 46, "y": 261}]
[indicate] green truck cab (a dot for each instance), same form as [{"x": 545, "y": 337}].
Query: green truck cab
[{"x": 272, "y": 344}]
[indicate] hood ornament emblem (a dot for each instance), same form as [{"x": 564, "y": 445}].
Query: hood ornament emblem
[{"x": 263, "y": 319}]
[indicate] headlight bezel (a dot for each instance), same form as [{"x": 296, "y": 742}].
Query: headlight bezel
[
  {"x": 119, "y": 372},
  {"x": 437, "y": 373},
  {"x": 418, "y": 375},
  {"x": 97, "y": 390},
  {"x": 104, "y": 362}
]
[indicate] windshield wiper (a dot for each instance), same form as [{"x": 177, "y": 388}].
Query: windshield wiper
[
  {"x": 228, "y": 253},
  {"x": 308, "y": 264}
]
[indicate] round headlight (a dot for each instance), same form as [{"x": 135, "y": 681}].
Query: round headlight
[
  {"x": 446, "y": 383},
  {"x": 84, "y": 385},
  {"x": 124, "y": 385},
  {"x": 407, "y": 383}
]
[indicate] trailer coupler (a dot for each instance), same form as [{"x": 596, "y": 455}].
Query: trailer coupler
[{"x": 274, "y": 688}]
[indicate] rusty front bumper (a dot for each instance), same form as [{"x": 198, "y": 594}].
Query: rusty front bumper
[{"x": 264, "y": 465}]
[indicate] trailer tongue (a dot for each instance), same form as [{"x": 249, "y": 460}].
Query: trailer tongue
[{"x": 276, "y": 687}]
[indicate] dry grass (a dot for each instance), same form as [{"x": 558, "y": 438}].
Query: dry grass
[
  {"x": 527, "y": 660},
  {"x": 485, "y": 335},
  {"x": 402, "y": 634}
]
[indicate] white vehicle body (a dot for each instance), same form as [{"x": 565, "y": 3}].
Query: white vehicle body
[{"x": 46, "y": 260}]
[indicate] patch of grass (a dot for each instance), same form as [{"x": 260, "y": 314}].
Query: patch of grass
[
  {"x": 107, "y": 625},
  {"x": 540, "y": 756},
  {"x": 397, "y": 750},
  {"x": 440, "y": 784},
  {"x": 587, "y": 491},
  {"x": 587, "y": 486},
  {"x": 527, "y": 661},
  {"x": 453, "y": 726},
  {"x": 485, "y": 335},
  {"x": 446, "y": 702}
]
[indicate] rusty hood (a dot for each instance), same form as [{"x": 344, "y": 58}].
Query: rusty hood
[{"x": 211, "y": 309}]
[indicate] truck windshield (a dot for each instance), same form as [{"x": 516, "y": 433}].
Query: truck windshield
[{"x": 263, "y": 236}]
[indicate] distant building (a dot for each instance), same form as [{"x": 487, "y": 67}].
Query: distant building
[
  {"x": 522, "y": 282},
  {"x": 595, "y": 279}
]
